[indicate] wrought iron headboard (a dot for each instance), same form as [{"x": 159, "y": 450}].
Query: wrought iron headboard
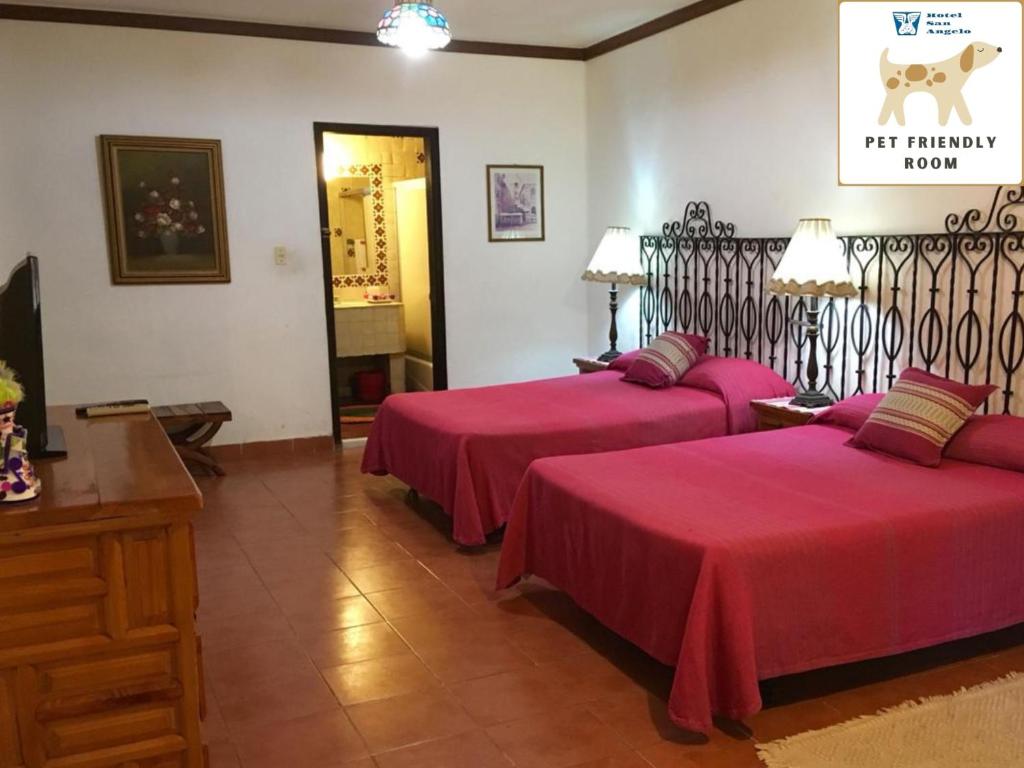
[{"x": 949, "y": 303}]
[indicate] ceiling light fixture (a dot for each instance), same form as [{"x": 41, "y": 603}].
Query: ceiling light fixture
[{"x": 414, "y": 27}]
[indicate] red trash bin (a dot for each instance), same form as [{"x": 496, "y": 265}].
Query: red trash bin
[{"x": 369, "y": 386}]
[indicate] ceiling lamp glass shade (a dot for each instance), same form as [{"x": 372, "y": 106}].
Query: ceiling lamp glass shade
[
  {"x": 813, "y": 263},
  {"x": 617, "y": 259},
  {"x": 414, "y": 27}
]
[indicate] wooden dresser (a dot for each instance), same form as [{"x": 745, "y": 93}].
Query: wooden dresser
[{"x": 98, "y": 656}]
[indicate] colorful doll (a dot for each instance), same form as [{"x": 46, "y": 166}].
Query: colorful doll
[{"x": 18, "y": 481}]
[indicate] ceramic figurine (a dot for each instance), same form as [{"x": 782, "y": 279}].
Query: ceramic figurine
[{"x": 18, "y": 481}]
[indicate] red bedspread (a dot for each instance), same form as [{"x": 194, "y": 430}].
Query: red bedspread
[
  {"x": 468, "y": 449},
  {"x": 749, "y": 557}
]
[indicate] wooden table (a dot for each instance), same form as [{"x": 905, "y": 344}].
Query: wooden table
[
  {"x": 589, "y": 364},
  {"x": 777, "y": 413},
  {"x": 98, "y": 653}
]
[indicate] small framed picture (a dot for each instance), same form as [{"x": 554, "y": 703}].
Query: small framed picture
[
  {"x": 165, "y": 210},
  {"x": 515, "y": 202}
]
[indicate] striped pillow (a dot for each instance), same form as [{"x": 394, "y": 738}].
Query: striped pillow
[
  {"x": 667, "y": 358},
  {"x": 918, "y": 416}
]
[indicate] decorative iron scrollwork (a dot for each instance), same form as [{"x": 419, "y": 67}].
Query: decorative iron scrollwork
[{"x": 950, "y": 303}]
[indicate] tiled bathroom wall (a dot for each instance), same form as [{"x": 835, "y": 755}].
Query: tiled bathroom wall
[{"x": 384, "y": 160}]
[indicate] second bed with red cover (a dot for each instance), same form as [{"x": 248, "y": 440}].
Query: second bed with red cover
[{"x": 744, "y": 558}]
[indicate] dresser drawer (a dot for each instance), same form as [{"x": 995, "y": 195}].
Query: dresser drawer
[
  {"x": 115, "y": 710},
  {"x": 36, "y": 626},
  {"x": 74, "y": 557},
  {"x": 127, "y": 727},
  {"x": 152, "y": 670},
  {"x": 49, "y": 592},
  {"x": 92, "y": 687}
]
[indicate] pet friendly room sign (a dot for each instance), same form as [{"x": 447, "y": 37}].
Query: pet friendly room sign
[{"x": 930, "y": 93}]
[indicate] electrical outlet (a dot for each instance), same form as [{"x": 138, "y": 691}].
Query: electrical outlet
[{"x": 280, "y": 255}]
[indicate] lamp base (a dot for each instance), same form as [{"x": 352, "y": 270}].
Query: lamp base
[
  {"x": 812, "y": 399},
  {"x": 608, "y": 356}
]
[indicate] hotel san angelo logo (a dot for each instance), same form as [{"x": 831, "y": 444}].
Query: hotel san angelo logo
[
  {"x": 930, "y": 93},
  {"x": 907, "y": 22}
]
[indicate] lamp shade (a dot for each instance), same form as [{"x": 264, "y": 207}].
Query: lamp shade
[
  {"x": 813, "y": 263},
  {"x": 414, "y": 27},
  {"x": 617, "y": 259}
]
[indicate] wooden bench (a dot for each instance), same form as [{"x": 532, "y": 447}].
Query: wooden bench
[{"x": 190, "y": 426}]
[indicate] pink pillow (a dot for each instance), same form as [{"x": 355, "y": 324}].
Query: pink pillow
[
  {"x": 737, "y": 381},
  {"x": 850, "y": 413},
  {"x": 918, "y": 416},
  {"x": 666, "y": 359},
  {"x": 623, "y": 361},
  {"x": 995, "y": 441}
]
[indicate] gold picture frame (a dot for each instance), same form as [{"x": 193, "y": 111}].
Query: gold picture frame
[
  {"x": 515, "y": 203},
  {"x": 165, "y": 213}
]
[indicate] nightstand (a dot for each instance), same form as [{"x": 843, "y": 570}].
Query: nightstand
[
  {"x": 589, "y": 364},
  {"x": 777, "y": 413}
]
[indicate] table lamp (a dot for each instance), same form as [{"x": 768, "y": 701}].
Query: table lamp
[
  {"x": 616, "y": 260},
  {"x": 813, "y": 266}
]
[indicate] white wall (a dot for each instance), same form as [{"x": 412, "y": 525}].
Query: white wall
[
  {"x": 259, "y": 343},
  {"x": 414, "y": 265},
  {"x": 737, "y": 108}
]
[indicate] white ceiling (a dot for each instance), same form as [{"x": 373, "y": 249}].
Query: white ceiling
[{"x": 574, "y": 23}]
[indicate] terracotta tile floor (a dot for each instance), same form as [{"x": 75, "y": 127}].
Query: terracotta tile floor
[{"x": 343, "y": 629}]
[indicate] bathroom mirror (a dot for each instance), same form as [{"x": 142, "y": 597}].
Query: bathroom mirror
[{"x": 350, "y": 209}]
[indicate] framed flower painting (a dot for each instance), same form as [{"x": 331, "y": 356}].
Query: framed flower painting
[{"x": 165, "y": 210}]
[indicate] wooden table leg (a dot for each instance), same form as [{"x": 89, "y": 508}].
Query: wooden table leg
[
  {"x": 201, "y": 457},
  {"x": 190, "y": 443}
]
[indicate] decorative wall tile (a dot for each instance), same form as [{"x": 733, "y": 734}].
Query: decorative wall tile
[
  {"x": 380, "y": 245},
  {"x": 383, "y": 160}
]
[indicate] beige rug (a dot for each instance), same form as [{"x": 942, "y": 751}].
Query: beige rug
[{"x": 979, "y": 727}]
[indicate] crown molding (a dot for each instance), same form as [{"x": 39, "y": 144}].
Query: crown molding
[
  {"x": 61, "y": 15},
  {"x": 654, "y": 26}
]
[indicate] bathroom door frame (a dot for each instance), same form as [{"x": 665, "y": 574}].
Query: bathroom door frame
[{"x": 435, "y": 247}]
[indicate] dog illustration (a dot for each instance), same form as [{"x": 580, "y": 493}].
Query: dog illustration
[{"x": 944, "y": 80}]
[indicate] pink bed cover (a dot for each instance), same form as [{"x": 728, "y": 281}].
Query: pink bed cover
[
  {"x": 750, "y": 557},
  {"x": 467, "y": 449}
]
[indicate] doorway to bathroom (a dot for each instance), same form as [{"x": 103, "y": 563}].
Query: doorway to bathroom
[{"x": 379, "y": 189}]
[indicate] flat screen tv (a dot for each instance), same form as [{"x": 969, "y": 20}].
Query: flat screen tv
[{"x": 21, "y": 347}]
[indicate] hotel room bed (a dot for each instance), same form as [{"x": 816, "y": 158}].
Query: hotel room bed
[
  {"x": 745, "y": 558},
  {"x": 468, "y": 449}
]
